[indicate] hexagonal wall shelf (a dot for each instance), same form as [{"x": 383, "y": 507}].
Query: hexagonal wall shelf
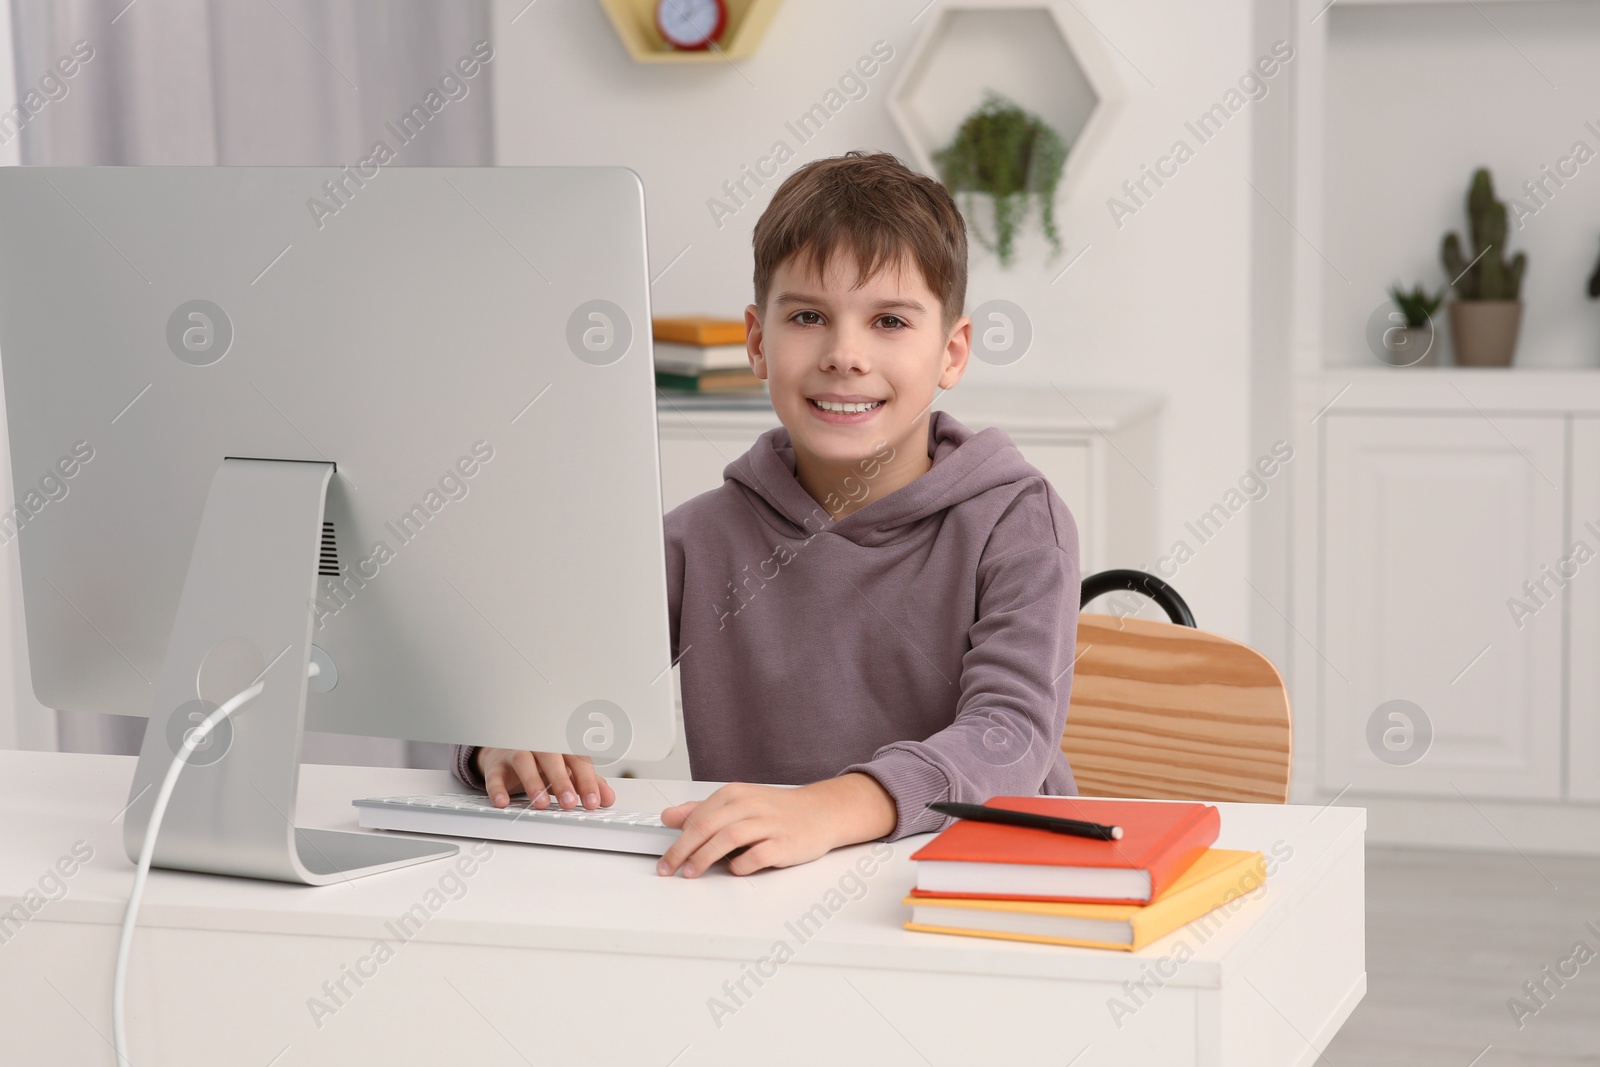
[
  {"x": 1044, "y": 63},
  {"x": 635, "y": 23}
]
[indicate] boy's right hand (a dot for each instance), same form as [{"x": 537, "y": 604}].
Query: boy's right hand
[{"x": 542, "y": 775}]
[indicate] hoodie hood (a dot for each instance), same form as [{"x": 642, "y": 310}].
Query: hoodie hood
[{"x": 965, "y": 464}]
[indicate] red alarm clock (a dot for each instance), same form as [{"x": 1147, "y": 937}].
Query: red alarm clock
[{"x": 690, "y": 25}]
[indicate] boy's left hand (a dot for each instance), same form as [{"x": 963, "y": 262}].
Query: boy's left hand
[{"x": 775, "y": 827}]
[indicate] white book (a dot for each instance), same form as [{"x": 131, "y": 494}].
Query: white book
[
  {"x": 957, "y": 878},
  {"x": 692, "y": 359}
]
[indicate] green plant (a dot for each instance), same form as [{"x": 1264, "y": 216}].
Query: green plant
[
  {"x": 1488, "y": 275},
  {"x": 1012, "y": 156},
  {"x": 1417, "y": 306}
]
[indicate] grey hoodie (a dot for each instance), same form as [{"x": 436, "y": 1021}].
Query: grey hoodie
[{"x": 925, "y": 639}]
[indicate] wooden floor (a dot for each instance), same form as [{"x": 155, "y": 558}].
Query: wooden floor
[{"x": 1451, "y": 937}]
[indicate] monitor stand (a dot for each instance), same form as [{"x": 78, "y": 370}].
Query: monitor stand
[{"x": 246, "y": 615}]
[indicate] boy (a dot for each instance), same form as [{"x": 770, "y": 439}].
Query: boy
[{"x": 878, "y": 604}]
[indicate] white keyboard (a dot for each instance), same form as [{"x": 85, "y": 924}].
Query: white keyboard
[{"x": 472, "y": 815}]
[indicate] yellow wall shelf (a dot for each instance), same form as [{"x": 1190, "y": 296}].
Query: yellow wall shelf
[{"x": 635, "y": 23}]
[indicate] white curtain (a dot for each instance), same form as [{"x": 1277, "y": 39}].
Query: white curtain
[
  {"x": 263, "y": 82},
  {"x": 231, "y": 83}
]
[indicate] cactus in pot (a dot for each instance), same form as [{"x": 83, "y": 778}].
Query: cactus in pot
[
  {"x": 1487, "y": 275},
  {"x": 1488, "y": 310}
]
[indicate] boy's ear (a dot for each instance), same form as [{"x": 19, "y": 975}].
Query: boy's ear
[
  {"x": 755, "y": 342},
  {"x": 957, "y": 351}
]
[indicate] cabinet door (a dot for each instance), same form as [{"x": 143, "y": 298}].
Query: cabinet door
[
  {"x": 1431, "y": 527},
  {"x": 1583, "y": 655},
  {"x": 692, "y": 459}
]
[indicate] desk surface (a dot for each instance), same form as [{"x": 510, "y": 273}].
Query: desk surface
[{"x": 534, "y": 896}]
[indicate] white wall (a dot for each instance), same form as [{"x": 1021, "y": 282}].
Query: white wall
[
  {"x": 1161, "y": 303},
  {"x": 1273, "y": 242}
]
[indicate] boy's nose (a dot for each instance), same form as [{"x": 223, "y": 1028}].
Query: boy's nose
[{"x": 845, "y": 356}]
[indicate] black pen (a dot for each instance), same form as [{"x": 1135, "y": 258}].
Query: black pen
[{"x": 1007, "y": 817}]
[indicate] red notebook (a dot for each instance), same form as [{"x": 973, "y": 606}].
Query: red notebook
[{"x": 1160, "y": 840}]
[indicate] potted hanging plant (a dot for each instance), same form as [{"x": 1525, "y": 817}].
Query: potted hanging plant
[
  {"x": 1488, "y": 310},
  {"x": 1412, "y": 345},
  {"x": 1015, "y": 160}
]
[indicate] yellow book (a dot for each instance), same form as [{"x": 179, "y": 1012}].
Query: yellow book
[
  {"x": 1216, "y": 878},
  {"x": 700, "y": 330}
]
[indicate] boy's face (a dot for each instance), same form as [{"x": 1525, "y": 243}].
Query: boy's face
[{"x": 848, "y": 368}]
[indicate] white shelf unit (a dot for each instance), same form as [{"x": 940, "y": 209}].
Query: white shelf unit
[
  {"x": 1400, "y": 103},
  {"x": 1425, "y": 498},
  {"x": 1044, "y": 57}
]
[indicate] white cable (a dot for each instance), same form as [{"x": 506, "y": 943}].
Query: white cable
[{"x": 191, "y": 741}]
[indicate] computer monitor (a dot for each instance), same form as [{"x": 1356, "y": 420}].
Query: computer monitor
[{"x": 398, "y": 422}]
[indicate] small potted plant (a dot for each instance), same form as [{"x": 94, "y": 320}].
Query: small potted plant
[
  {"x": 1012, "y": 157},
  {"x": 1488, "y": 310},
  {"x": 1412, "y": 345}
]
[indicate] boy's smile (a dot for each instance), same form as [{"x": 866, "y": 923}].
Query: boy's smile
[
  {"x": 852, "y": 369},
  {"x": 843, "y": 410}
]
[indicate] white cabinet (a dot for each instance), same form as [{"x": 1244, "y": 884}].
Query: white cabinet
[
  {"x": 1583, "y": 650},
  {"x": 695, "y": 447},
  {"x": 1434, "y": 529},
  {"x": 1097, "y": 448}
]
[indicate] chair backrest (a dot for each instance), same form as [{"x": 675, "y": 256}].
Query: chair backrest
[{"x": 1170, "y": 712}]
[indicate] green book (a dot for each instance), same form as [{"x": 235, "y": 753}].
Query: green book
[{"x": 710, "y": 382}]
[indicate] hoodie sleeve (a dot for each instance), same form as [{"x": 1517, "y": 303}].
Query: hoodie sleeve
[
  {"x": 462, "y": 756},
  {"x": 674, "y": 525},
  {"x": 1015, "y": 683}
]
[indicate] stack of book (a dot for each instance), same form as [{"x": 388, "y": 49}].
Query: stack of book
[
  {"x": 702, "y": 355},
  {"x": 982, "y": 879}
]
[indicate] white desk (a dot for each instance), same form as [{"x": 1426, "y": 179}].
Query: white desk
[{"x": 553, "y": 955}]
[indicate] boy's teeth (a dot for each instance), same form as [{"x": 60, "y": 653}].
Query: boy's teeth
[{"x": 846, "y": 409}]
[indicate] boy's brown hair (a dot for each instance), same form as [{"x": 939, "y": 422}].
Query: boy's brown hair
[{"x": 874, "y": 207}]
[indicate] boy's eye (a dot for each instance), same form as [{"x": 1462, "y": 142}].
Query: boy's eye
[
  {"x": 894, "y": 322},
  {"x": 800, "y": 317}
]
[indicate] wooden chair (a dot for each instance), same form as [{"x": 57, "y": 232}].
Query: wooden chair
[{"x": 1166, "y": 711}]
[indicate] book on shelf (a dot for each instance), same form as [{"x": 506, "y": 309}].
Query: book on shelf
[
  {"x": 675, "y": 358},
  {"x": 1160, "y": 840},
  {"x": 714, "y": 381},
  {"x": 701, "y": 331},
  {"x": 1219, "y": 877}
]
